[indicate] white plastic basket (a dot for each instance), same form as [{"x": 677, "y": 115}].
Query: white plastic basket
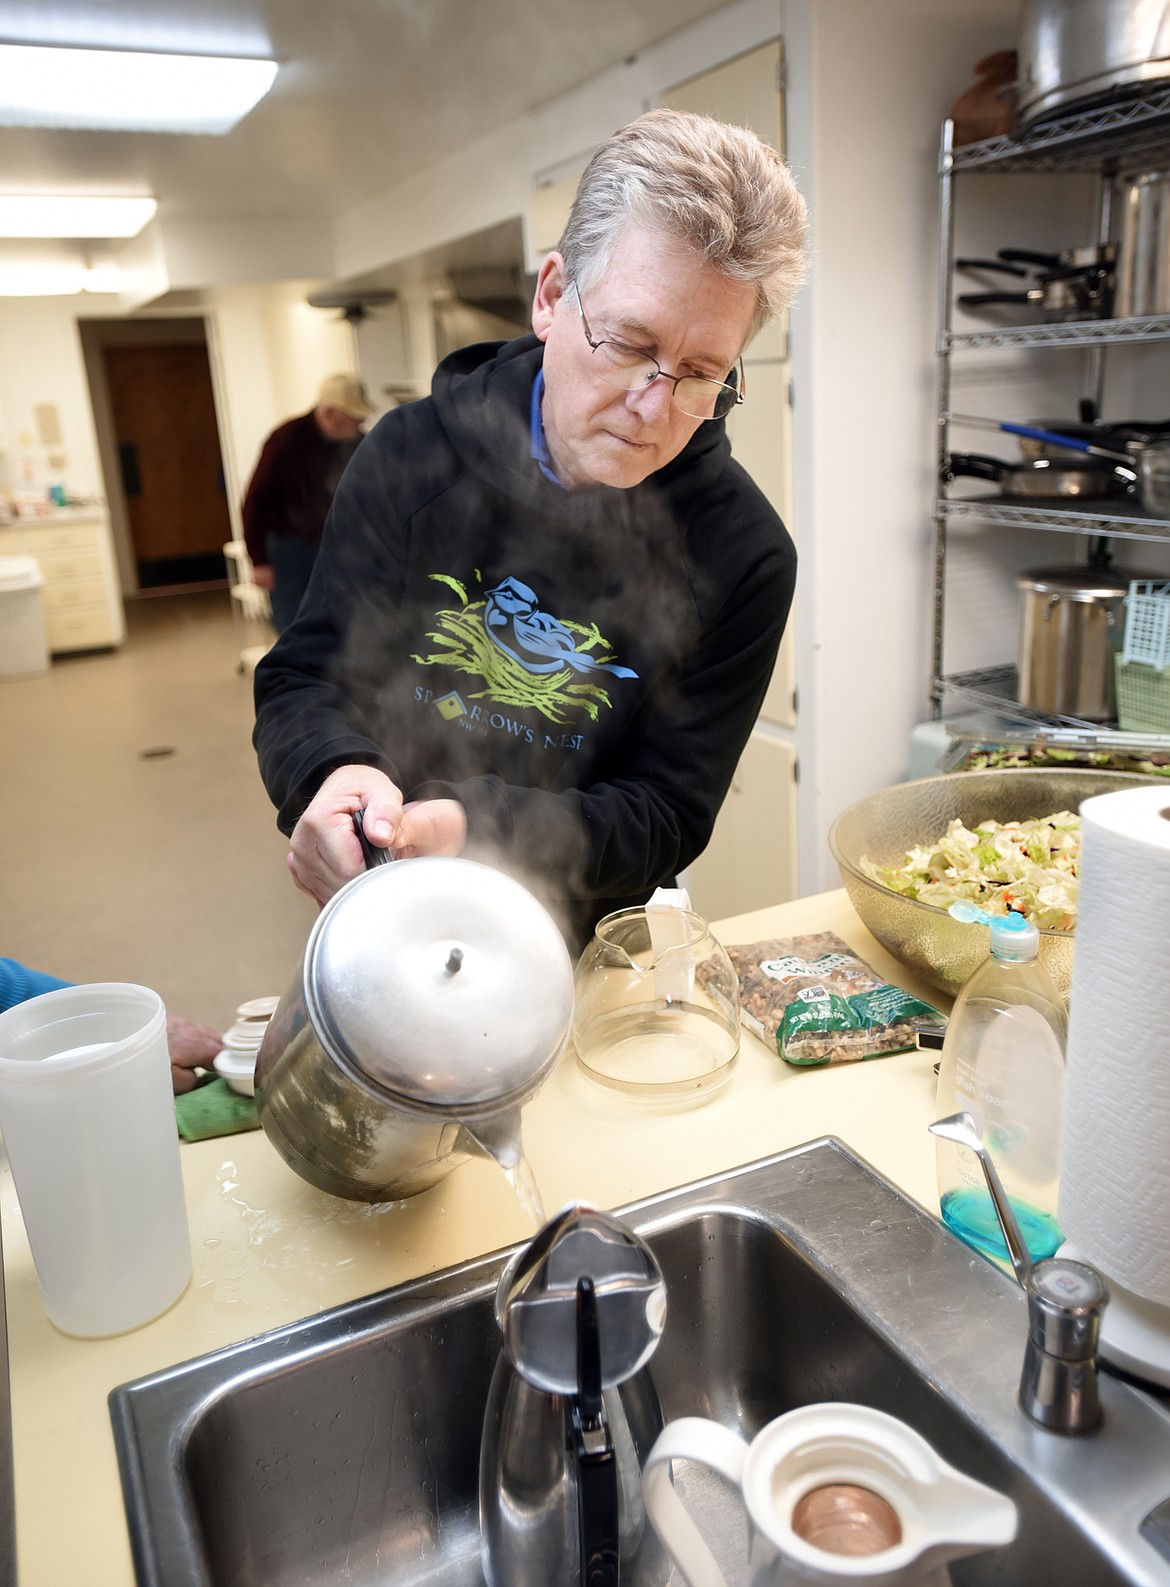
[{"x": 1147, "y": 623}]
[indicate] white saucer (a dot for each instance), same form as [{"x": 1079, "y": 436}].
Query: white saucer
[{"x": 238, "y": 1069}]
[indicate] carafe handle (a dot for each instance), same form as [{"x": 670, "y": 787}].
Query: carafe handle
[{"x": 714, "y": 1446}]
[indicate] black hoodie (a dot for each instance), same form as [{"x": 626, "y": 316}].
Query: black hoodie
[{"x": 581, "y": 669}]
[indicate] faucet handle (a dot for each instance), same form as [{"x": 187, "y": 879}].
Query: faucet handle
[
  {"x": 1058, "y": 1382},
  {"x": 537, "y": 1300},
  {"x": 1065, "y": 1301}
]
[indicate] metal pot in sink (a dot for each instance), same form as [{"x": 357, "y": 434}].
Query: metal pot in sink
[
  {"x": 434, "y": 997},
  {"x": 1047, "y": 478}
]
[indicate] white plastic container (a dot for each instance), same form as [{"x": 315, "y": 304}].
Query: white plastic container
[
  {"x": 24, "y": 651},
  {"x": 88, "y": 1117}
]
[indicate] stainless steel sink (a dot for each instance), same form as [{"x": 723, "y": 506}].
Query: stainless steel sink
[{"x": 345, "y": 1448}]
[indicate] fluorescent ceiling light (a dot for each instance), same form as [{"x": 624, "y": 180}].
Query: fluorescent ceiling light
[
  {"x": 127, "y": 91},
  {"x": 61, "y": 280},
  {"x": 82, "y": 215}
]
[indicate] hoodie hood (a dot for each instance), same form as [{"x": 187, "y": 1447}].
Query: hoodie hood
[{"x": 482, "y": 396}]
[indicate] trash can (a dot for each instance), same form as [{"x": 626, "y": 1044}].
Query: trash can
[{"x": 23, "y": 648}]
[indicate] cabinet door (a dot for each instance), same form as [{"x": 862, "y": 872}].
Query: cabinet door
[{"x": 750, "y": 861}]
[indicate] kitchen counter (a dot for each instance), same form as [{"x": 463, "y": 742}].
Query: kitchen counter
[{"x": 269, "y": 1249}]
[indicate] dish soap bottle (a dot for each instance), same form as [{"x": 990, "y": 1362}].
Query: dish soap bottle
[{"x": 1003, "y": 1061}]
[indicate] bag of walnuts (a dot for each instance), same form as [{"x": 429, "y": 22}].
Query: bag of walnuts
[{"x": 816, "y": 1002}]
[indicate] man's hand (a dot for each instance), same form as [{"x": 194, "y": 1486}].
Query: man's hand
[
  {"x": 325, "y": 850},
  {"x": 263, "y": 576},
  {"x": 191, "y": 1047},
  {"x": 431, "y": 826}
]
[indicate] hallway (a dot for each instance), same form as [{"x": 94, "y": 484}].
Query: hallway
[{"x": 136, "y": 840}]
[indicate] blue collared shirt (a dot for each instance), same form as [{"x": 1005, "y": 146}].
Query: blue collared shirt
[{"x": 537, "y": 441}]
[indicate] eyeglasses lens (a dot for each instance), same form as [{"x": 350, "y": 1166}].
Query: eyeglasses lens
[{"x": 699, "y": 399}]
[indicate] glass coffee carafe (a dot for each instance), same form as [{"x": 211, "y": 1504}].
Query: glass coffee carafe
[{"x": 656, "y": 1005}]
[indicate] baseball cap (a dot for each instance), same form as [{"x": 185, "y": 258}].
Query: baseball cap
[{"x": 347, "y": 393}]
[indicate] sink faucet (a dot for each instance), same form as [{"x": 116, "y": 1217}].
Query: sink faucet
[{"x": 1058, "y": 1383}]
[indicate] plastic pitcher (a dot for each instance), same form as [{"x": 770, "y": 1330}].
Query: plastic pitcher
[{"x": 88, "y": 1118}]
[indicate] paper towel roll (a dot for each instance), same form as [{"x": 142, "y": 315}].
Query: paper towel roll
[{"x": 1114, "y": 1203}]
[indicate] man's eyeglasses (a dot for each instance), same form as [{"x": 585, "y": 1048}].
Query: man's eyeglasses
[{"x": 700, "y": 396}]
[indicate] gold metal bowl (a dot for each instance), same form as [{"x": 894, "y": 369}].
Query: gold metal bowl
[{"x": 882, "y": 827}]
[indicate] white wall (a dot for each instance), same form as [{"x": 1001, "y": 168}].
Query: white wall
[
  {"x": 868, "y": 87},
  {"x": 491, "y": 179},
  {"x": 40, "y": 362}
]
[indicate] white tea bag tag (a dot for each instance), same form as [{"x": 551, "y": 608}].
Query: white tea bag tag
[{"x": 674, "y": 973}]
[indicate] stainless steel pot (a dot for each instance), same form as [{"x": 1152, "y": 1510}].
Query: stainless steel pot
[
  {"x": 1071, "y": 623},
  {"x": 1073, "y": 284},
  {"x": 434, "y": 997},
  {"x": 1075, "y": 52},
  {"x": 1142, "y": 283}
]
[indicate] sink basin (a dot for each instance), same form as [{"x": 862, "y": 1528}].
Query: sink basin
[{"x": 345, "y": 1448}]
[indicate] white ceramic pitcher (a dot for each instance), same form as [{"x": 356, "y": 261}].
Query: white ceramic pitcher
[{"x": 834, "y": 1493}]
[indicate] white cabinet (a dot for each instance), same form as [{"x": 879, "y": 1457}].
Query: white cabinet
[
  {"x": 83, "y": 605},
  {"x": 751, "y": 859}
]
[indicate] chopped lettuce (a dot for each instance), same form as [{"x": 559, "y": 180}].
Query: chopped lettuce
[{"x": 1027, "y": 866}]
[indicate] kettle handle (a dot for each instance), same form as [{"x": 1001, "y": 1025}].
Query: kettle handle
[
  {"x": 725, "y": 1452},
  {"x": 371, "y": 854}
]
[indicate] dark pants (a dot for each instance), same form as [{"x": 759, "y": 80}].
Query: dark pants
[{"x": 292, "y": 562}]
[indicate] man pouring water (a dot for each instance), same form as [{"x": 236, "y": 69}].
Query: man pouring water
[{"x": 548, "y": 600}]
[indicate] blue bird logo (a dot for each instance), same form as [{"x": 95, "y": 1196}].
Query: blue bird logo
[{"x": 540, "y": 643}]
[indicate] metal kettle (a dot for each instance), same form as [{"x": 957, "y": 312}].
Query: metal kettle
[
  {"x": 434, "y": 997},
  {"x": 572, "y": 1413}
]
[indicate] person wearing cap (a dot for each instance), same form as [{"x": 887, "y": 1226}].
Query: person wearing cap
[
  {"x": 549, "y": 599},
  {"x": 290, "y": 492}
]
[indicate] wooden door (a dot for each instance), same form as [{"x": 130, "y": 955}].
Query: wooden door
[{"x": 164, "y": 419}]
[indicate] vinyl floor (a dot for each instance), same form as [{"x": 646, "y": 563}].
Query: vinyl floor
[{"x": 137, "y": 842}]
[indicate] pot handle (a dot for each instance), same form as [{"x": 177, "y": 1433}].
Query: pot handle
[
  {"x": 370, "y": 852},
  {"x": 999, "y": 265},
  {"x": 977, "y": 300},
  {"x": 1048, "y": 261},
  {"x": 974, "y": 464}
]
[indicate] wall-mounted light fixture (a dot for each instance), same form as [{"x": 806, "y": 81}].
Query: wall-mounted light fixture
[
  {"x": 127, "y": 90},
  {"x": 73, "y": 215}
]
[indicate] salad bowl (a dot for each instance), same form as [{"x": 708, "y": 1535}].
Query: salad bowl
[{"x": 883, "y": 827}]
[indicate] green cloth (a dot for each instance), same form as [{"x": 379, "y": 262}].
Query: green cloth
[{"x": 214, "y": 1109}]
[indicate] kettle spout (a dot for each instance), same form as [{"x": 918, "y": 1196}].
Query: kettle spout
[{"x": 497, "y": 1137}]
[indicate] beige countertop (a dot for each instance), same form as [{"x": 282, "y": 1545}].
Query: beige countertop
[{"x": 269, "y": 1249}]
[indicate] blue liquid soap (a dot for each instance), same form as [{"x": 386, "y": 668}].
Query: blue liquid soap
[{"x": 971, "y": 1215}]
